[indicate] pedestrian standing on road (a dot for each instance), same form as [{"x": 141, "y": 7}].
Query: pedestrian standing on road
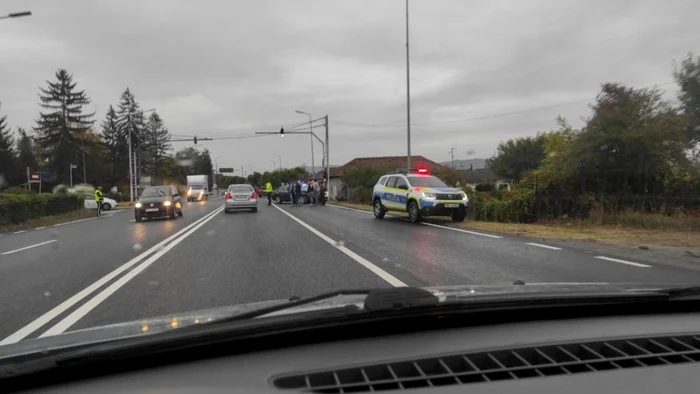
[
  {"x": 290, "y": 190},
  {"x": 268, "y": 190},
  {"x": 317, "y": 188},
  {"x": 297, "y": 192},
  {"x": 310, "y": 192},
  {"x": 98, "y": 200}
]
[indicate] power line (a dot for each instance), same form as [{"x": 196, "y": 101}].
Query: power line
[{"x": 499, "y": 115}]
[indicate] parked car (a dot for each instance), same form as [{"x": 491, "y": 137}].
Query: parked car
[
  {"x": 158, "y": 201},
  {"x": 281, "y": 195},
  {"x": 107, "y": 203}
]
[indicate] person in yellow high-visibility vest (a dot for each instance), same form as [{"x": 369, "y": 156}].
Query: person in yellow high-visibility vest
[
  {"x": 98, "y": 199},
  {"x": 268, "y": 189}
]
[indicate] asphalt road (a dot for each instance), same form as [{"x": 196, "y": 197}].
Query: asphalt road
[{"x": 110, "y": 269}]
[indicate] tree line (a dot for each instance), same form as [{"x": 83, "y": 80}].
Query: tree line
[
  {"x": 636, "y": 150},
  {"x": 65, "y": 135}
]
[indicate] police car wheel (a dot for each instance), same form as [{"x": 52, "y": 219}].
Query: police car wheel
[
  {"x": 413, "y": 212},
  {"x": 458, "y": 216},
  {"x": 379, "y": 211}
]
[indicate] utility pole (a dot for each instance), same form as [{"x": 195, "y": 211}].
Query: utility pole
[
  {"x": 408, "y": 96},
  {"x": 452, "y": 153},
  {"x": 280, "y": 158},
  {"x": 311, "y": 137},
  {"x": 131, "y": 171}
]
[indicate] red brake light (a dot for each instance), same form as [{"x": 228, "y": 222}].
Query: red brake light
[
  {"x": 422, "y": 170},
  {"x": 254, "y": 195},
  {"x": 228, "y": 195}
]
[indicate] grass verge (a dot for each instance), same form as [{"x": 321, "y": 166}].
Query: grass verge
[
  {"x": 49, "y": 220},
  {"x": 579, "y": 231}
]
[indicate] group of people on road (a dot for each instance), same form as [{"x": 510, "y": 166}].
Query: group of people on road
[{"x": 312, "y": 189}]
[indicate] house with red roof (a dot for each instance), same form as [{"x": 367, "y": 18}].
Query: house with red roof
[{"x": 337, "y": 188}]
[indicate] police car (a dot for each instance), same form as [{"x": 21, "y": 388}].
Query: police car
[{"x": 418, "y": 193}]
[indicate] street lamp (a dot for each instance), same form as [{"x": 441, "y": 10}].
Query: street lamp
[
  {"x": 279, "y": 157},
  {"x": 16, "y": 14},
  {"x": 273, "y": 165},
  {"x": 216, "y": 172},
  {"x": 313, "y": 169},
  {"x": 408, "y": 97}
]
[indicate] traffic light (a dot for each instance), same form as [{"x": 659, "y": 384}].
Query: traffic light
[
  {"x": 282, "y": 132},
  {"x": 195, "y": 140}
]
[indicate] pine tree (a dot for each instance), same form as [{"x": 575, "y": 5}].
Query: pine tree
[
  {"x": 116, "y": 145},
  {"x": 8, "y": 167},
  {"x": 26, "y": 156},
  {"x": 129, "y": 122},
  {"x": 60, "y": 130},
  {"x": 157, "y": 138}
]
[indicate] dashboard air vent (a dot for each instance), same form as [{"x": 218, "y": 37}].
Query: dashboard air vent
[{"x": 508, "y": 364}]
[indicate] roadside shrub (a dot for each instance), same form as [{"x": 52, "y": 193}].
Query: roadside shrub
[
  {"x": 15, "y": 208},
  {"x": 16, "y": 190},
  {"x": 485, "y": 187},
  {"x": 518, "y": 208}
]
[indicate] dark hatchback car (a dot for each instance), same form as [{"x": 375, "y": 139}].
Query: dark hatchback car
[
  {"x": 158, "y": 201},
  {"x": 281, "y": 195}
]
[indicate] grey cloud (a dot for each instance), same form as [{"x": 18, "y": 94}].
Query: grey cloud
[{"x": 220, "y": 67}]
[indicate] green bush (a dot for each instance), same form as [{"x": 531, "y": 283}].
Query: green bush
[
  {"x": 15, "y": 208},
  {"x": 16, "y": 190},
  {"x": 516, "y": 208}
]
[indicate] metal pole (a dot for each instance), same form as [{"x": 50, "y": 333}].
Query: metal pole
[
  {"x": 82, "y": 143},
  {"x": 280, "y": 158},
  {"x": 328, "y": 160},
  {"x": 408, "y": 96},
  {"x": 131, "y": 172},
  {"x": 70, "y": 165},
  {"x": 273, "y": 165},
  {"x": 313, "y": 166}
]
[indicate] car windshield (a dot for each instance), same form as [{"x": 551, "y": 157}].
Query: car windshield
[
  {"x": 154, "y": 192},
  {"x": 236, "y": 189},
  {"x": 239, "y": 147},
  {"x": 425, "y": 181}
]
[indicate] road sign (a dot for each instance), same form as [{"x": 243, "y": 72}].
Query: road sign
[
  {"x": 73, "y": 166},
  {"x": 226, "y": 170},
  {"x": 36, "y": 177}
]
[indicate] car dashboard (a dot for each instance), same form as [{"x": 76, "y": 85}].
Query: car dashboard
[{"x": 618, "y": 354}]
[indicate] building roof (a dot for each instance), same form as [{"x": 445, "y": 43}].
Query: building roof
[
  {"x": 482, "y": 175},
  {"x": 393, "y": 161}
]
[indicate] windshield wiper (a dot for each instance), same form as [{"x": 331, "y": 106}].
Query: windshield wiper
[{"x": 376, "y": 300}]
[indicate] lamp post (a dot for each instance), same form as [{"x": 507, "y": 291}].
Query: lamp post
[
  {"x": 216, "y": 172},
  {"x": 132, "y": 159},
  {"x": 313, "y": 169},
  {"x": 273, "y": 165},
  {"x": 280, "y": 158},
  {"x": 408, "y": 97}
]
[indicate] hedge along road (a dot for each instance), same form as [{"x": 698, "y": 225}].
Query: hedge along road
[{"x": 35, "y": 280}]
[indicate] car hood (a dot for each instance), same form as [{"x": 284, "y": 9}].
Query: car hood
[
  {"x": 166, "y": 323},
  {"x": 150, "y": 200},
  {"x": 441, "y": 190}
]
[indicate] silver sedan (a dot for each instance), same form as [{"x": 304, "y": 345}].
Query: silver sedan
[{"x": 240, "y": 197}]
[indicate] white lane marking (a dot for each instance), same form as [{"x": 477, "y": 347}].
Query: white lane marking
[
  {"x": 461, "y": 230},
  {"x": 19, "y": 232},
  {"x": 543, "y": 246},
  {"x": 91, "y": 304},
  {"x": 28, "y": 247},
  {"x": 427, "y": 224},
  {"x": 364, "y": 262},
  {"x": 567, "y": 283},
  {"x": 132, "y": 220},
  {"x": 53, "y": 313},
  {"x": 623, "y": 261},
  {"x": 348, "y": 208},
  {"x": 76, "y": 221},
  {"x": 40, "y": 228}
]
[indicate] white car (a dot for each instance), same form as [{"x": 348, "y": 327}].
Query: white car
[{"x": 107, "y": 203}]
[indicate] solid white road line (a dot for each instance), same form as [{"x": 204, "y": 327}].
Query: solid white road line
[
  {"x": 91, "y": 304},
  {"x": 364, "y": 262},
  {"x": 349, "y": 209},
  {"x": 623, "y": 261},
  {"x": 28, "y": 247},
  {"x": 462, "y": 231},
  {"x": 424, "y": 223},
  {"x": 40, "y": 228},
  {"x": 19, "y": 232},
  {"x": 76, "y": 221},
  {"x": 65, "y": 305},
  {"x": 543, "y": 246}
]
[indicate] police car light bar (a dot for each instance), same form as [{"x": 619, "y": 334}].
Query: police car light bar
[{"x": 419, "y": 170}]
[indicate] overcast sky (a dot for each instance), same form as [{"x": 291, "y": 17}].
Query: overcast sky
[{"x": 231, "y": 68}]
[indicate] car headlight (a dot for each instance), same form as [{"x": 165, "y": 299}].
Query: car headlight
[
  {"x": 189, "y": 192},
  {"x": 430, "y": 196},
  {"x": 138, "y": 205},
  {"x": 167, "y": 203},
  {"x": 464, "y": 197}
]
